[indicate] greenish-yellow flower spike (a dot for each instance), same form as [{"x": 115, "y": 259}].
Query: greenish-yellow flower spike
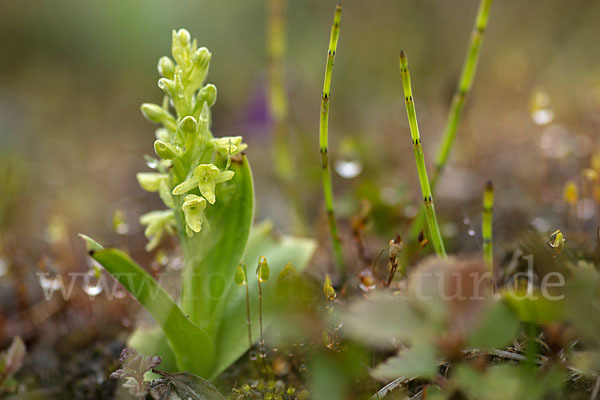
[
  {"x": 205, "y": 177},
  {"x": 193, "y": 208},
  {"x": 263, "y": 271}
]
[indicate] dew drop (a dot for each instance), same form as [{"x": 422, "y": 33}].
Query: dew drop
[
  {"x": 471, "y": 232},
  {"x": 151, "y": 162},
  {"x": 539, "y": 107},
  {"x": 252, "y": 355},
  {"x": 366, "y": 280},
  {"x": 119, "y": 223},
  {"x": 91, "y": 284},
  {"x": 348, "y": 168},
  {"x": 543, "y": 116},
  {"x": 50, "y": 282}
]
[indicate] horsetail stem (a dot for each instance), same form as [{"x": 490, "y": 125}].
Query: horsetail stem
[
  {"x": 486, "y": 226},
  {"x": 464, "y": 86},
  {"x": 278, "y": 109},
  {"x": 434, "y": 229},
  {"x": 323, "y": 141},
  {"x": 458, "y": 101}
]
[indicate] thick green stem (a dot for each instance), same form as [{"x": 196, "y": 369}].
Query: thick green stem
[
  {"x": 430, "y": 216},
  {"x": 486, "y": 226},
  {"x": 458, "y": 102},
  {"x": 323, "y": 141}
]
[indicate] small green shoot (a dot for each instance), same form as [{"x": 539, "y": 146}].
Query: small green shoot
[
  {"x": 434, "y": 229},
  {"x": 324, "y": 141},
  {"x": 486, "y": 226}
]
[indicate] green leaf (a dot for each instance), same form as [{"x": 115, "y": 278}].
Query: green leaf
[
  {"x": 232, "y": 338},
  {"x": 533, "y": 307},
  {"x": 507, "y": 382},
  {"x": 232, "y": 342},
  {"x": 193, "y": 349},
  {"x": 418, "y": 362},
  {"x": 212, "y": 255},
  {"x": 497, "y": 327},
  {"x": 90, "y": 244},
  {"x": 191, "y": 387}
]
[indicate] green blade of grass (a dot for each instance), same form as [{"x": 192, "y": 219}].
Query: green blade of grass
[
  {"x": 486, "y": 226},
  {"x": 324, "y": 141},
  {"x": 194, "y": 350},
  {"x": 430, "y": 216},
  {"x": 458, "y": 103}
]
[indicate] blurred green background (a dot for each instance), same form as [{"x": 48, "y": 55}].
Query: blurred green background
[{"x": 74, "y": 73}]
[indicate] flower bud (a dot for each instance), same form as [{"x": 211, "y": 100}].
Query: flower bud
[
  {"x": 165, "y": 150},
  {"x": 263, "y": 271},
  {"x": 166, "y": 67},
  {"x": 184, "y": 37},
  {"x": 188, "y": 125},
  {"x": 168, "y": 86},
  {"x": 154, "y": 112},
  {"x": 150, "y": 181},
  {"x": 207, "y": 94},
  {"x": 201, "y": 57},
  {"x": 199, "y": 68}
]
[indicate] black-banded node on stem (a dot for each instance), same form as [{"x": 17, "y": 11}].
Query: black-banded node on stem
[
  {"x": 432, "y": 224},
  {"x": 324, "y": 139}
]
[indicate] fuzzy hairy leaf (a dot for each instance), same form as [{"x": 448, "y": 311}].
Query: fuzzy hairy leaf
[{"x": 191, "y": 387}]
